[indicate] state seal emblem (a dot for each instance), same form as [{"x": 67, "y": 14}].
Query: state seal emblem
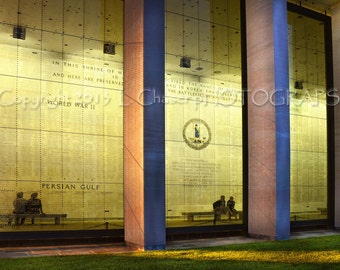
[{"x": 196, "y": 134}]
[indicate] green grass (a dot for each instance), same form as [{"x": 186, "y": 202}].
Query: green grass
[{"x": 309, "y": 253}]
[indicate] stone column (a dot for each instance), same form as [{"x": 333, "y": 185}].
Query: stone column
[
  {"x": 268, "y": 119},
  {"x": 335, "y": 11},
  {"x": 144, "y": 140}
]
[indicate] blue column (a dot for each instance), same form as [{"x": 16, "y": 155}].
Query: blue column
[
  {"x": 281, "y": 67},
  {"x": 154, "y": 126},
  {"x": 144, "y": 136}
]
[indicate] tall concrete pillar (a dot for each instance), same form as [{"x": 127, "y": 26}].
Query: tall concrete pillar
[
  {"x": 144, "y": 142},
  {"x": 268, "y": 119},
  {"x": 335, "y": 12}
]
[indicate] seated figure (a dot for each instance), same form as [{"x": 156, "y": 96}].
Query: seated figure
[
  {"x": 231, "y": 208},
  {"x": 34, "y": 205},
  {"x": 219, "y": 208},
  {"x": 20, "y": 205}
]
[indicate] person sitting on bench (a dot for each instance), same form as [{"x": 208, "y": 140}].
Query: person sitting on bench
[
  {"x": 20, "y": 206},
  {"x": 34, "y": 205},
  {"x": 219, "y": 208},
  {"x": 231, "y": 207}
]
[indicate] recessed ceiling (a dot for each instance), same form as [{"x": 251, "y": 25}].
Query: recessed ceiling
[{"x": 323, "y": 6}]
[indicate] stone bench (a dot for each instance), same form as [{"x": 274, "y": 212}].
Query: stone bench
[
  {"x": 191, "y": 215},
  {"x": 303, "y": 214},
  {"x": 11, "y": 217},
  {"x": 323, "y": 211}
]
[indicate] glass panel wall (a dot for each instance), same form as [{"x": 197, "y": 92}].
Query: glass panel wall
[
  {"x": 61, "y": 115},
  {"x": 308, "y": 118},
  {"x": 203, "y": 110}
]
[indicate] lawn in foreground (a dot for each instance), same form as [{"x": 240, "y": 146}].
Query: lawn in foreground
[{"x": 310, "y": 253}]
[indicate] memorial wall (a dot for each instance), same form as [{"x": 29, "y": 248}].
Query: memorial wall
[
  {"x": 203, "y": 106},
  {"x": 308, "y": 117},
  {"x": 203, "y": 145},
  {"x": 61, "y": 108},
  {"x": 204, "y": 116}
]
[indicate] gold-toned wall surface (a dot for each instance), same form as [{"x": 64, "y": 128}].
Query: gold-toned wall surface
[
  {"x": 308, "y": 118},
  {"x": 203, "y": 108},
  {"x": 61, "y": 109}
]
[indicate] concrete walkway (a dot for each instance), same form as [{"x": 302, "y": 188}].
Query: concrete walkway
[{"x": 39, "y": 251}]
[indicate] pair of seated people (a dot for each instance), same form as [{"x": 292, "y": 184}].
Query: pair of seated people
[
  {"x": 23, "y": 206},
  {"x": 221, "y": 207}
]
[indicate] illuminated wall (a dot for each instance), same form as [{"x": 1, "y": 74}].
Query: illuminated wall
[
  {"x": 203, "y": 105},
  {"x": 61, "y": 128},
  {"x": 308, "y": 117},
  {"x": 61, "y": 108}
]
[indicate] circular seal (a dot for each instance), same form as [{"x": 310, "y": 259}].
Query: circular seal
[{"x": 196, "y": 134}]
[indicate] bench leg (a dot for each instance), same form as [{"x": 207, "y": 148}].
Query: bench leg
[
  {"x": 57, "y": 220},
  {"x": 190, "y": 218}
]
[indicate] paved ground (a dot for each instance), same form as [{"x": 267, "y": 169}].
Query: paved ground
[{"x": 18, "y": 252}]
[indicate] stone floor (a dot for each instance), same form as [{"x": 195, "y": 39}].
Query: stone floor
[{"x": 38, "y": 251}]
